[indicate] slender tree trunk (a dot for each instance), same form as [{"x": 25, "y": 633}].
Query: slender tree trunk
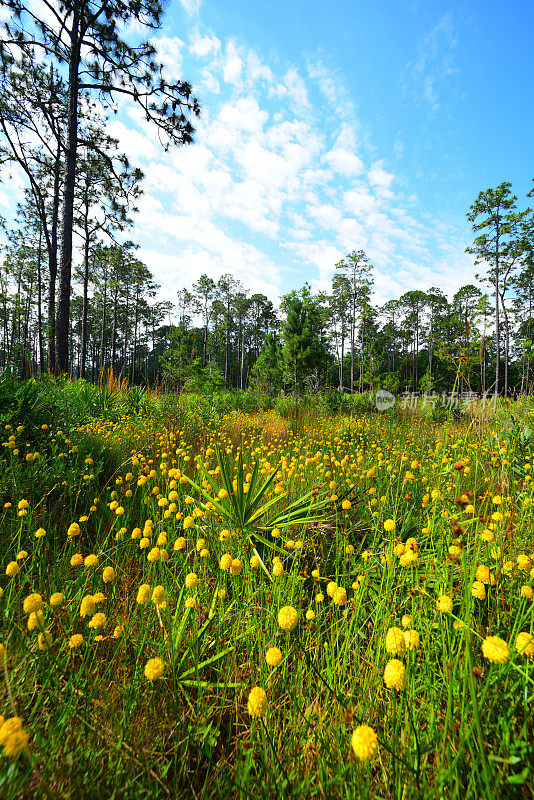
[
  {"x": 134, "y": 352},
  {"x": 154, "y": 349},
  {"x": 227, "y": 344},
  {"x": 242, "y": 367},
  {"x": 523, "y": 371},
  {"x": 342, "y": 384},
  {"x": 86, "y": 244},
  {"x": 125, "y": 345},
  {"x": 497, "y": 320},
  {"x": 114, "y": 325},
  {"x": 529, "y": 334},
  {"x": 506, "y": 350},
  {"x": 506, "y": 326},
  {"x": 26, "y": 329},
  {"x": 430, "y": 345},
  {"x": 52, "y": 265},
  {"x": 6, "y": 329},
  {"x": 103, "y": 327},
  {"x": 12, "y": 357},
  {"x": 40, "y": 302},
  {"x": 257, "y": 332},
  {"x": 93, "y": 356},
  {"x": 352, "y": 333},
  {"x": 416, "y": 362},
  {"x": 338, "y": 355},
  {"x": 65, "y": 258},
  {"x": 70, "y": 348},
  {"x": 205, "y": 337}
]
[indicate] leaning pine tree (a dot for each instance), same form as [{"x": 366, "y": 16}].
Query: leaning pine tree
[{"x": 83, "y": 37}]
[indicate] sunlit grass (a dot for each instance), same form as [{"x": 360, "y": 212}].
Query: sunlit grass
[{"x": 156, "y": 552}]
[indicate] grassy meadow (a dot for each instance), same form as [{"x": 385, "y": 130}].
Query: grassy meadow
[{"x": 198, "y": 601}]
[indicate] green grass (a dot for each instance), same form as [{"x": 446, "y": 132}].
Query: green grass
[{"x": 462, "y": 726}]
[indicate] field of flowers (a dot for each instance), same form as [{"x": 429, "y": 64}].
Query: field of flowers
[{"x": 251, "y": 606}]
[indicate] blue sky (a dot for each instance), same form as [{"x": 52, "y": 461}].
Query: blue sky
[{"x": 330, "y": 127}]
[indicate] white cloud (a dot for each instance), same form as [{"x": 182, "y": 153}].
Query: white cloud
[
  {"x": 192, "y": 7},
  {"x": 169, "y": 53},
  {"x": 242, "y": 116},
  {"x": 342, "y": 157},
  {"x": 233, "y": 65},
  {"x": 424, "y": 77},
  {"x": 293, "y": 87},
  {"x": 275, "y": 185},
  {"x": 209, "y": 83},
  {"x": 325, "y": 216},
  {"x": 134, "y": 27},
  {"x": 137, "y": 146},
  {"x": 350, "y": 232},
  {"x": 380, "y": 179},
  {"x": 256, "y": 70},
  {"x": 332, "y": 86},
  {"x": 323, "y": 255},
  {"x": 359, "y": 201},
  {"x": 344, "y": 162},
  {"x": 203, "y": 46},
  {"x": 215, "y": 256}
]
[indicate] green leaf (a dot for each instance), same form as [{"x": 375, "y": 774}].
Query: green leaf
[
  {"x": 212, "y": 685},
  {"x": 521, "y": 777},
  {"x": 207, "y": 662}
]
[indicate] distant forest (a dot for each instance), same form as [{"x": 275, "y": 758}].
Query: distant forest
[
  {"x": 227, "y": 337},
  {"x": 75, "y": 298}
]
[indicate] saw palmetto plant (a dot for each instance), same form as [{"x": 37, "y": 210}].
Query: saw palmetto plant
[{"x": 247, "y": 502}]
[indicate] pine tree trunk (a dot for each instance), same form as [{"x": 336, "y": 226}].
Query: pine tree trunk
[
  {"x": 242, "y": 367},
  {"x": 497, "y": 320},
  {"x": 506, "y": 347},
  {"x": 341, "y": 384},
  {"x": 114, "y": 326},
  {"x": 134, "y": 353},
  {"x": 52, "y": 266},
  {"x": 125, "y": 345},
  {"x": 352, "y": 327},
  {"x": 416, "y": 362},
  {"x": 93, "y": 357},
  {"x": 103, "y": 328},
  {"x": 6, "y": 330},
  {"x": 65, "y": 258},
  {"x": 12, "y": 356},
  {"x": 430, "y": 343},
  {"x": 529, "y": 335},
  {"x": 40, "y": 302},
  {"x": 26, "y": 329},
  {"x": 227, "y": 346},
  {"x": 153, "y": 350},
  {"x": 85, "y": 281}
]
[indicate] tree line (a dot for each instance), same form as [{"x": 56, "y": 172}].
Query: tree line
[{"x": 224, "y": 336}]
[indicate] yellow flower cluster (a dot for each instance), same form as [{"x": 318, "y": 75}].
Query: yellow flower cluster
[{"x": 13, "y": 737}]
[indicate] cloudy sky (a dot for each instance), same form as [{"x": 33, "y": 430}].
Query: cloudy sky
[{"x": 330, "y": 127}]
